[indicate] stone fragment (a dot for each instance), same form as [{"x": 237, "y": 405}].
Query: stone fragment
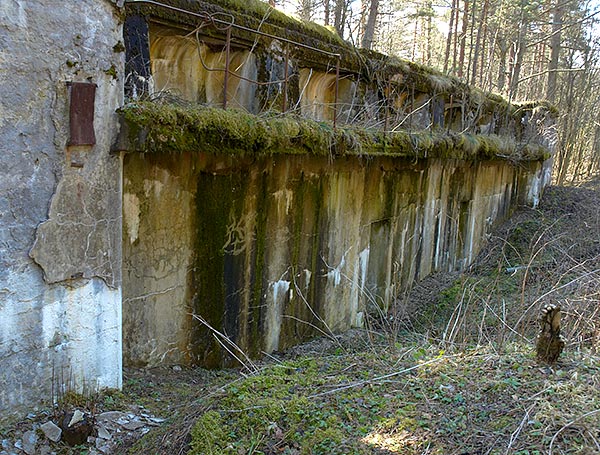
[
  {"x": 103, "y": 433},
  {"x": 30, "y": 440},
  {"x": 103, "y": 446},
  {"x": 109, "y": 416},
  {"x": 133, "y": 425},
  {"x": 76, "y": 418},
  {"x": 51, "y": 431}
]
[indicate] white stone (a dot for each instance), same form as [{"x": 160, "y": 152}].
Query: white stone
[{"x": 51, "y": 431}]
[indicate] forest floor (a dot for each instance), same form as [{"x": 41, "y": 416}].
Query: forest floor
[{"x": 450, "y": 370}]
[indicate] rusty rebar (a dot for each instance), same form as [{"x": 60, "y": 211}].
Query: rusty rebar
[
  {"x": 226, "y": 76},
  {"x": 239, "y": 27},
  {"x": 337, "y": 86},
  {"x": 285, "y": 80}
]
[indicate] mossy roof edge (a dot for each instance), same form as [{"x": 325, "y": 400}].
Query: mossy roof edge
[{"x": 165, "y": 128}]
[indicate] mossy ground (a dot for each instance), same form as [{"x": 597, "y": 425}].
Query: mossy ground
[{"x": 408, "y": 399}]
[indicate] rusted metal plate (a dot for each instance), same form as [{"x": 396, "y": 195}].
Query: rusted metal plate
[{"x": 83, "y": 95}]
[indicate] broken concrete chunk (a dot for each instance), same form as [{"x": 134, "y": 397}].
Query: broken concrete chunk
[
  {"x": 51, "y": 431},
  {"x": 30, "y": 440},
  {"x": 109, "y": 416},
  {"x": 133, "y": 425},
  {"x": 77, "y": 417},
  {"x": 103, "y": 433}
]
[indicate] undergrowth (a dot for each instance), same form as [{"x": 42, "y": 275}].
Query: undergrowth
[
  {"x": 547, "y": 255},
  {"x": 456, "y": 375},
  {"x": 411, "y": 400}
]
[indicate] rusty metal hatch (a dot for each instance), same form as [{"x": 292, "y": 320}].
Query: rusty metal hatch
[{"x": 81, "y": 113}]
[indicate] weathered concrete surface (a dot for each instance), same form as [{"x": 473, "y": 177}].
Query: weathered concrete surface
[
  {"x": 158, "y": 274},
  {"x": 66, "y": 218},
  {"x": 269, "y": 251},
  {"x": 187, "y": 68}
]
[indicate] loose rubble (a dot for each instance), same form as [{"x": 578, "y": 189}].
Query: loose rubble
[{"x": 42, "y": 434}]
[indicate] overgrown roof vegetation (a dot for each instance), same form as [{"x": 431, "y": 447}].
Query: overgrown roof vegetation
[
  {"x": 370, "y": 65},
  {"x": 164, "y": 128}
]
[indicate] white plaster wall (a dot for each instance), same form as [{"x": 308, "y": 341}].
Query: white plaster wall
[{"x": 60, "y": 323}]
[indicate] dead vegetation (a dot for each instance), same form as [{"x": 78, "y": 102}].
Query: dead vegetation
[{"x": 451, "y": 370}]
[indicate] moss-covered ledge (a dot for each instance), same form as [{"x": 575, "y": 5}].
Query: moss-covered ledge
[{"x": 154, "y": 127}]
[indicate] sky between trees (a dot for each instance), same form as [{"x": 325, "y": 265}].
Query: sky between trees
[{"x": 522, "y": 49}]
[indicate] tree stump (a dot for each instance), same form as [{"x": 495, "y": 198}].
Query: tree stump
[{"x": 549, "y": 343}]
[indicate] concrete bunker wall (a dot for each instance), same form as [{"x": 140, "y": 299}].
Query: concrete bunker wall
[
  {"x": 249, "y": 244},
  {"x": 60, "y": 216},
  {"x": 272, "y": 251},
  {"x": 262, "y": 241}
]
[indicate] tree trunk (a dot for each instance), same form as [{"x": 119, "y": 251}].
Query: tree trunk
[
  {"x": 471, "y": 41},
  {"x": 549, "y": 344},
  {"x": 414, "y": 44},
  {"x": 478, "y": 45},
  {"x": 305, "y": 10},
  {"x": 369, "y": 34},
  {"x": 339, "y": 16},
  {"x": 429, "y": 26},
  {"x": 517, "y": 51},
  {"x": 503, "y": 49},
  {"x": 449, "y": 38},
  {"x": 455, "y": 37},
  {"x": 555, "y": 44},
  {"x": 463, "y": 39}
]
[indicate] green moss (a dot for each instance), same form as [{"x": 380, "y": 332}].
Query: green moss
[
  {"x": 536, "y": 105},
  {"x": 112, "y": 71},
  {"x": 163, "y": 128},
  {"x": 264, "y": 404},
  {"x": 119, "y": 47},
  {"x": 253, "y": 14},
  {"x": 208, "y": 435},
  {"x": 213, "y": 211}
]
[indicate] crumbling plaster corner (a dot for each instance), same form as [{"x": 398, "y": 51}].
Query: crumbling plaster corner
[{"x": 60, "y": 210}]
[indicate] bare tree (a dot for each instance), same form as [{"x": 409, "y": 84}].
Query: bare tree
[{"x": 369, "y": 32}]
